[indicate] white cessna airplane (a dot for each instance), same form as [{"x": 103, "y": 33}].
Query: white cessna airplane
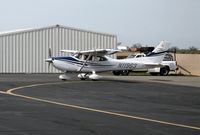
[{"x": 88, "y": 63}]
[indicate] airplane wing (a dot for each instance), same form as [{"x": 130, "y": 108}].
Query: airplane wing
[
  {"x": 70, "y": 51},
  {"x": 94, "y": 52}
]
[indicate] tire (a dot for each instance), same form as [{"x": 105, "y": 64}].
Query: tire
[
  {"x": 124, "y": 72},
  {"x": 164, "y": 71},
  {"x": 116, "y": 73}
]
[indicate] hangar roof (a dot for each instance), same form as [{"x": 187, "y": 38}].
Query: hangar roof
[{"x": 52, "y": 26}]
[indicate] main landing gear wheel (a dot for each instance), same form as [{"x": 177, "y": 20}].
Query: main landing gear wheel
[
  {"x": 124, "y": 72},
  {"x": 116, "y": 73}
]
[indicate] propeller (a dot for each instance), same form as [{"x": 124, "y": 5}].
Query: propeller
[
  {"x": 50, "y": 54},
  {"x": 49, "y": 59}
]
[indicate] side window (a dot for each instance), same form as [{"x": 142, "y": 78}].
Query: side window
[
  {"x": 96, "y": 58},
  {"x": 168, "y": 57},
  {"x": 85, "y": 57},
  {"x": 91, "y": 58},
  {"x": 102, "y": 59}
]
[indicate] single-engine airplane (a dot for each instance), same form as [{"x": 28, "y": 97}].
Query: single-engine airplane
[{"x": 88, "y": 63}]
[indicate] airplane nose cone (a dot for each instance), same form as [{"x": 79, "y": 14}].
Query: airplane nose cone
[{"x": 49, "y": 60}]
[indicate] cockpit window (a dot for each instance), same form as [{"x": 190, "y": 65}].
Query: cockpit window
[
  {"x": 78, "y": 56},
  {"x": 92, "y": 58}
]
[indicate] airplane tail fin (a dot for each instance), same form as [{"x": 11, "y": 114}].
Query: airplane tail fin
[
  {"x": 157, "y": 55},
  {"x": 162, "y": 47}
]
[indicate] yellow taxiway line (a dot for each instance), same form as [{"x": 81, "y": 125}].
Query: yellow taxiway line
[{"x": 10, "y": 92}]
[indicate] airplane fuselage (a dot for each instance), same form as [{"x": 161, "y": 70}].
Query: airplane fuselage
[{"x": 72, "y": 64}]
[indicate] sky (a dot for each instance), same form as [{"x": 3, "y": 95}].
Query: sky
[{"x": 133, "y": 21}]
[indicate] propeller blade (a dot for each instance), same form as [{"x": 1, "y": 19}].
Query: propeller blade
[
  {"x": 49, "y": 66},
  {"x": 50, "y": 54},
  {"x": 49, "y": 60}
]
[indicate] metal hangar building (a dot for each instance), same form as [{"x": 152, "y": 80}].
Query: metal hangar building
[{"x": 25, "y": 51}]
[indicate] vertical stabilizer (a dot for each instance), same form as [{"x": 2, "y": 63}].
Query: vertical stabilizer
[
  {"x": 162, "y": 47},
  {"x": 157, "y": 55}
]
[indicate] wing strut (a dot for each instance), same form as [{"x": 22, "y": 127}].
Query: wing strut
[{"x": 85, "y": 62}]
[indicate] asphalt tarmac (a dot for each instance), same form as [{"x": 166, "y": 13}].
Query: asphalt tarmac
[{"x": 40, "y": 104}]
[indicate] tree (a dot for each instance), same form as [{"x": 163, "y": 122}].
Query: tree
[
  {"x": 190, "y": 50},
  {"x": 193, "y": 49},
  {"x": 137, "y": 45},
  {"x": 174, "y": 49}
]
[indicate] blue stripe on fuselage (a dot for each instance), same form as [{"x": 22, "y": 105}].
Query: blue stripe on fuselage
[
  {"x": 68, "y": 59},
  {"x": 65, "y": 58}
]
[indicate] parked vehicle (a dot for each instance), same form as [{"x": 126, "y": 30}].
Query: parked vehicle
[{"x": 168, "y": 64}]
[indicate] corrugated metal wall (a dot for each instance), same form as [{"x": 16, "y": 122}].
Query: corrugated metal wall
[{"x": 26, "y": 51}]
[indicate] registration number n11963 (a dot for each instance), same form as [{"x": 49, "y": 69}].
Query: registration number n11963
[{"x": 127, "y": 65}]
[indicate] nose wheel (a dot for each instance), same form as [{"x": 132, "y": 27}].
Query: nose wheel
[{"x": 64, "y": 77}]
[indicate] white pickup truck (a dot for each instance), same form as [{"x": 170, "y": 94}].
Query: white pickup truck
[{"x": 168, "y": 64}]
